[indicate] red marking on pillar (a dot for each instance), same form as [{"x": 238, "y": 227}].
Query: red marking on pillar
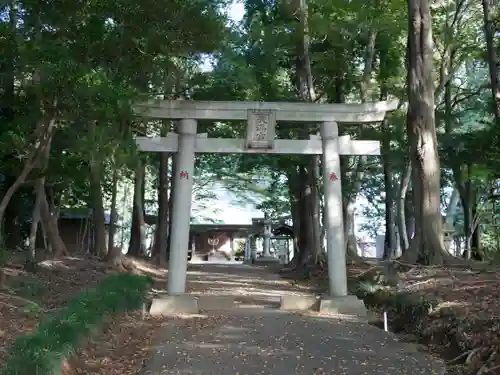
[
  {"x": 332, "y": 176},
  {"x": 184, "y": 175}
]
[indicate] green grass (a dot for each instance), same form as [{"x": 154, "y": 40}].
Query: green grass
[{"x": 63, "y": 331}]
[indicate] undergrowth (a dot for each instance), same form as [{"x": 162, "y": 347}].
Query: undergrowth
[{"x": 61, "y": 332}]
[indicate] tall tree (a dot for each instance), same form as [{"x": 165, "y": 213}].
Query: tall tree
[
  {"x": 427, "y": 245},
  {"x": 492, "y": 55}
]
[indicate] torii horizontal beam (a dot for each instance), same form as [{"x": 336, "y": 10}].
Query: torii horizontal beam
[
  {"x": 285, "y": 111},
  {"x": 312, "y": 146}
]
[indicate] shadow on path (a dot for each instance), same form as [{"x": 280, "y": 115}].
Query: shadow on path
[
  {"x": 250, "y": 285},
  {"x": 267, "y": 341}
]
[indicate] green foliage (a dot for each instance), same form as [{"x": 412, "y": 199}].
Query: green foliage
[
  {"x": 29, "y": 288},
  {"x": 63, "y": 331},
  {"x": 4, "y": 255},
  {"x": 97, "y": 58},
  {"x": 33, "y": 308},
  {"x": 407, "y": 310}
]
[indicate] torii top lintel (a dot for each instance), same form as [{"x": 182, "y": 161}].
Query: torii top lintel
[{"x": 284, "y": 111}]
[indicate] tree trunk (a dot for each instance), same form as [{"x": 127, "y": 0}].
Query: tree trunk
[
  {"x": 427, "y": 246},
  {"x": 7, "y": 82},
  {"x": 294, "y": 197},
  {"x": 451, "y": 209},
  {"x": 467, "y": 203},
  {"x": 299, "y": 214},
  {"x": 350, "y": 189},
  {"x": 468, "y": 199},
  {"x": 40, "y": 194},
  {"x": 161, "y": 233},
  {"x": 350, "y": 229},
  {"x": 97, "y": 202},
  {"x": 137, "y": 246},
  {"x": 305, "y": 228},
  {"x": 310, "y": 216},
  {"x": 12, "y": 220},
  {"x": 113, "y": 214},
  {"x": 29, "y": 164},
  {"x": 410, "y": 215},
  {"x": 35, "y": 220},
  {"x": 404, "y": 183},
  {"x": 46, "y": 242},
  {"x": 52, "y": 228},
  {"x": 466, "y": 191},
  {"x": 351, "y": 178},
  {"x": 44, "y": 129},
  {"x": 489, "y": 34},
  {"x": 390, "y": 246},
  {"x": 171, "y": 201},
  {"x": 313, "y": 207},
  {"x": 83, "y": 245},
  {"x": 476, "y": 232}
]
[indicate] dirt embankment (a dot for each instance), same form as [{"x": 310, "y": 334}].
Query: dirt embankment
[
  {"x": 453, "y": 311},
  {"x": 122, "y": 345}
]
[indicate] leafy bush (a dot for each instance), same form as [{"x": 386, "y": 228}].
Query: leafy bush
[
  {"x": 29, "y": 288},
  {"x": 57, "y": 337},
  {"x": 408, "y": 311}
]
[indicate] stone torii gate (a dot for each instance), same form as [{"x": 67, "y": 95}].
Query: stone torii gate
[{"x": 261, "y": 120}]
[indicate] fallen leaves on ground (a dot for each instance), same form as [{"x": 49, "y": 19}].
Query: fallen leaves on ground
[
  {"x": 467, "y": 319},
  {"x": 121, "y": 348},
  {"x": 122, "y": 345}
]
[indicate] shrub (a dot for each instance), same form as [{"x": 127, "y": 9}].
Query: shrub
[{"x": 61, "y": 332}]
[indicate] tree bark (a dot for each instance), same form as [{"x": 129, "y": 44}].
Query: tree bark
[
  {"x": 161, "y": 233},
  {"x": 42, "y": 163},
  {"x": 468, "y": 199},
  {"x": 451, "y": 209},
  {"x": 350, "y": 229},
  {"x": 43, "y": 135},
  {"x": 171, "y": 201},
  {"x": 304, "y": 82},
  {"x": 404, "y": 183},
  {"x": 410, "y": 215},
  {"x": 489, "y": 34},
  {"x": 137, "y": 245},
  {"x": 113, "y": 214},
  {"x": 350, "y": 190},
  {"x": 7, "y": 81},
  {"x": 52, "y": 229},
  {"x": 351, "y": 179},
  {"x": 97, "y": 201},
  {"x": 390, "y": 246},
  {"x": 35, "y": 220},
  {"x": 313, "y": 207},
  {"x": 295, "y": 207},
  {"x": 427, "y": 246}
]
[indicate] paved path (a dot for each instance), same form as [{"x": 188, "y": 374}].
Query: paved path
[{"x": 258, "y": 339}]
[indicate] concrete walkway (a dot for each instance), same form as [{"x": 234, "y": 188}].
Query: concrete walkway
[{"x": 256, "y": 338}]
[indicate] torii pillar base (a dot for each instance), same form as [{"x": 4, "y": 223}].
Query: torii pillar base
[{"x": 343, "y": 306}]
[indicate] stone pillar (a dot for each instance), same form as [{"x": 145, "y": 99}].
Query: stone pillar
[
  {"x": 253, "y": 248},
  {"x": 335, "y": 245},
  {"x": 266, "y": 243},
  {"x": 181, "y": 213}
]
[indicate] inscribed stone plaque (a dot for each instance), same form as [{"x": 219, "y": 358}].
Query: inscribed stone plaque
[{"x": 261, "y": 129}]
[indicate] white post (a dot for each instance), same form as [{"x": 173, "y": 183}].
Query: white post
[
  {"x": 337, "y": 274},
  {"x": 266, "y": 243},
  {"x": 181, "y": 214}
]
